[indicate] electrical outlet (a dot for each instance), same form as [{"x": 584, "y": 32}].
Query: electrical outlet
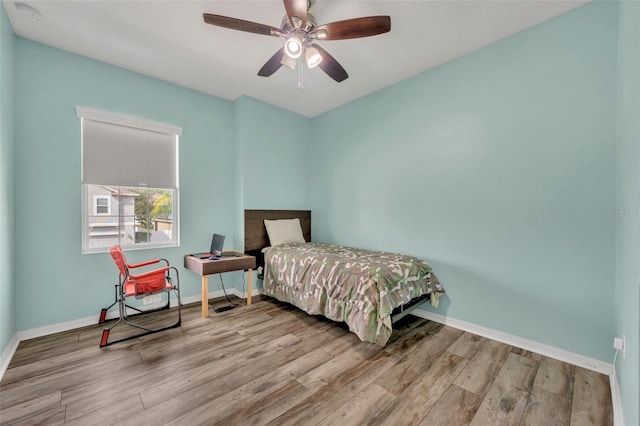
[
  {"x": 154, "y": 298},
  {"x": 619, "y": 343}
]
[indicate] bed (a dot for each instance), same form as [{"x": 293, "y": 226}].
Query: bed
[{"x": 368, "y": 290}]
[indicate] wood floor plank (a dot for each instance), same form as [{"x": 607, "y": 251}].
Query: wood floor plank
[
  {"x": 524, "y": 352},
  {"x": 176, "y": 403},
  {"x": 270, "y": 363},
  {"x": 52, "y": 381},
  {"x": 507, "y": 397},
  {"x": 32, "y": 350},
  {"x": 177, "y": 384},
  {"x": 456, "y": 407},
  {"x": 591, "y": 399},
  {"x": 61, "y": 364},
  {"x": 306, "y": 363},
  {"x": 131, "y": 380},
  {"x": 263, "y": 327},
  {"x": 360, "y": 409},
  {"x": 323, "y": 402},
  {"x": 414, "y": 359},
  {"x": 517, "y": 372},
  {"x": 29, "y": 408},
  {"x": 555, "y": 376},
  {"x": 196, "y": 371},
  {"x": 283, "y": 349},
  {"x": 546, "y": 408},
  {"x": 236, "y": 401},
  {"x": 110, "y": 414},
  {"x": 400, "y": 346},
  {"x": 343, "y": 340},
  {"x": 123, "y": 383},
  {"x": 51, "y": 417},
  {"x": 501, "y": 406},
  {"x": 327, "y": 372},
  {"x": 467, "y": 345},
  {"x": 478, "y": 375},
  {"x": 413, "y": 404},
  {"x": 269, "y": 407}
]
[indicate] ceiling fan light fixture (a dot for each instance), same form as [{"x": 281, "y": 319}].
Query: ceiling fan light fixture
[
  {"x": 312, "y": 56},
  {"x": 293, "y": 47},
  {"x": 289, "y": 62},
  {"x": 319, "y": 34}
]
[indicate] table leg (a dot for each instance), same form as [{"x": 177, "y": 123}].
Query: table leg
[
  {"x": 205, "y": 296},
  {"x": 249, "y": 274}
]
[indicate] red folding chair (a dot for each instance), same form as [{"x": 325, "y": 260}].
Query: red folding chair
[{"x": 138, "y": 286}]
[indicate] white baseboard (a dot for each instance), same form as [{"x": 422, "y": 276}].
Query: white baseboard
[
  {"x": 243, "y": 295},
  {"x": 7, "y": 354},
  {"x": 616, "y": 398},
  {"x": 530, "y": 345}
]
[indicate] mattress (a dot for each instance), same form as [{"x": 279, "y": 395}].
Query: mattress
[{"x": 355, "y": 286}]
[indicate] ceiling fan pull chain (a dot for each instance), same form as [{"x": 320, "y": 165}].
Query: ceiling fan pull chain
[{"x": 300, "y": 68}]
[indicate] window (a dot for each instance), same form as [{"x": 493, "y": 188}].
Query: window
[
  {"x": 129, "y": 181},
  {"x": 101, "y": 205}
]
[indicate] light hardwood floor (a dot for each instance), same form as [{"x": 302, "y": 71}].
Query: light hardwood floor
[{"x": 270, "y": 363}]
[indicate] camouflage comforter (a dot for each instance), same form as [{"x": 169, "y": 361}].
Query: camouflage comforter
[{"x": 359, "y": 287}]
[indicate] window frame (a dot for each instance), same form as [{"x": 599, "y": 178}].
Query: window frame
[
  {"x": 95, "y": 205},
  {"x": 89, "y": 205}
]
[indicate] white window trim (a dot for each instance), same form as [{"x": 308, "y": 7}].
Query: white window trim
[
  {"x": 95, "y": 205},
  {"x": 127, "y": 120}
]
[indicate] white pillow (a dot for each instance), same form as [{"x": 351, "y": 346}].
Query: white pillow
[{"x": 284, "y": 231}]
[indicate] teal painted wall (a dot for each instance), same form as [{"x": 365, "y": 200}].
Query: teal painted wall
[
  {"x": 7, "y": 220},
  {"x": 275, "y": 152},
  {"x": 226, "y": 151},
  {"x": 497, "y": 168},
  {"x": 274, "y": 158},
  {"x": 627, "y": 294},
  {"x": 65, "y": 284}
]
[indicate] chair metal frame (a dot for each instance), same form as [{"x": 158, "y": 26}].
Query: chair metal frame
[{"x": 128, "y": 287}]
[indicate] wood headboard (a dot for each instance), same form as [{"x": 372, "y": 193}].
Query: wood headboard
[{"x": 255, "y": 234}]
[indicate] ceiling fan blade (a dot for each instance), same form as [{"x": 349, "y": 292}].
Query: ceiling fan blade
[
  {"x": 330, "y": 66},
  {"x": 273, "y": 64},
  {"x": 241, "y": 25},
  {"x": 296, "y": 8},
  {"x": 353, "y": 28}
]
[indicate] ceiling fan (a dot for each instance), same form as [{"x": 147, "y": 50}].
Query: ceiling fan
[{"x": 300, "y": 32}]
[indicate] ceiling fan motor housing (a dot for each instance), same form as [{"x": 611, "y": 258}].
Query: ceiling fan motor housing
[{"x": 287, "y": 27}]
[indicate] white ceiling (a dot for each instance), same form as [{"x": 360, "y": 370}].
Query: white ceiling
[{"x": 168, "y": 40}]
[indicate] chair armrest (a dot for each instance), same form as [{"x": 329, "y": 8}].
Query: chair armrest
[
  {"x": 145, "y": 263},
  {"x": 148, "y": 262}
]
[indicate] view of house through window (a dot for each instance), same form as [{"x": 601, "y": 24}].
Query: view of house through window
[{"x": 128, "y": 216}]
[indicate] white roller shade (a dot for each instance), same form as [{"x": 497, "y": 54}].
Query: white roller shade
[{"x": 125, "y": 151}]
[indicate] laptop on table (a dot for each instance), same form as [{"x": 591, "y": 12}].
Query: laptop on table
[{"x": 215, "y": 251}]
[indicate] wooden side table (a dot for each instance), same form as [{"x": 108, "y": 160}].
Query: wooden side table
[{"x": 206, "y": 267}]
